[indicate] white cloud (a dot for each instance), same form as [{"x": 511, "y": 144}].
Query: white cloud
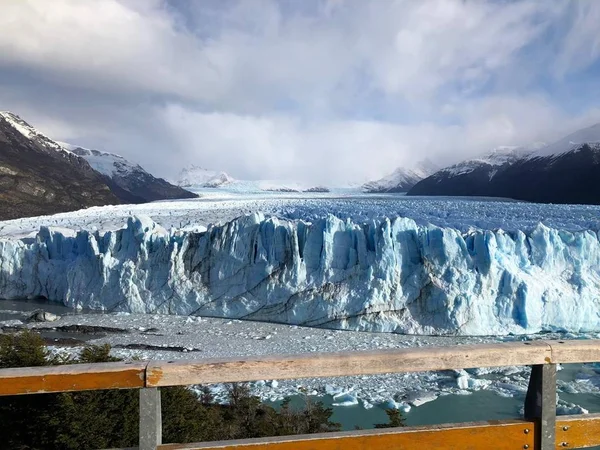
[
  {"x": 353, "y": 151},
  {"x": 261, "y": 87},
  {"x": 102, "y": 44},
  {"x": 260, "y": 55},
  {"x": 419, "y": 47},
  {"x": 581, "y": 45}
]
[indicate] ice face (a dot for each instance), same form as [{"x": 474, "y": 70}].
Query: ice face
[{"x": 383, "y": 275}]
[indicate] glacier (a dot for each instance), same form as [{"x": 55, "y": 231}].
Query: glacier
[{"x": 382, "y": 275}]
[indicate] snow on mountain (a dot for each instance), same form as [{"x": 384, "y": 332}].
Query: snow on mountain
[
  {"x": 218, "y": 180},
  {"x": 108, "y": 164},
  {"x": 425, "y": 168},
  {"x": 39, "y": 176},
  {"x": 282, "y": 186},
  {"x": 473, "y": 176},
  {"x": 496, "y": 158},
  {"x": 589, "y": 135},
  {"x": 563, "y": 172},
  {"x": 388, "y": 275},
  {"x": 32, "y": 133},
  {"x": 272, "y": 186},
  {"x": 402, "y": 179},
  {"x": 129, "y": 181},
  {"x": 196, "y": 176}
]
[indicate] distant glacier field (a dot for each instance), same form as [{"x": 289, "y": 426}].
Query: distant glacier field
[{"x": 344, "y": 261}]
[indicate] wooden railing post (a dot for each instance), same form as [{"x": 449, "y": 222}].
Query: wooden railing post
[
  {"x": 150, "y": 419},
  {"x": 540, "y": 404}
]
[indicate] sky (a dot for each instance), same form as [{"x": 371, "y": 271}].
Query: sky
[{"x": 323, "y": 91}]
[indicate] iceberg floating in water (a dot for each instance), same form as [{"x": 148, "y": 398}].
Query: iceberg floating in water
[
  {"x": 384, "y": 275},
  {"x": 345, "y": 399}
]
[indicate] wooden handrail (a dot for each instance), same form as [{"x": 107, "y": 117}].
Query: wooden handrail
[
  {"x": 207, "y": 371},
  {"x": 127, "y": 375},
  {"x": 574, "y": 431},
  {"x": 76, "y": 377},
  {"x": 496, "y": 435},
  {"x": 541, "y": 432},
  {"x": 186, "y": 372}
]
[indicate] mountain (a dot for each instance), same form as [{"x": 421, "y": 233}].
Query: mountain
[
  {"x": 589, "y": 135},
  {"x": 38, "y": 176},
  {"x": 130, "y": 182},
  {"x": 402, "y": 179},
  {"x": 196, "y": 176},
  {"x": 569, "y": 176},
  {"x": 471, "y": 175},
  {"x": 199, "y": 177},
  {"x": 563, "y": 172}
]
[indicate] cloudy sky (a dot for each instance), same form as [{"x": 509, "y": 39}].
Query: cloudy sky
[{"x": 315, "y": 90}]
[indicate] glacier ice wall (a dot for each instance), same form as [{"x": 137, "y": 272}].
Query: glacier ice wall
[{"x": 385, "y": 275}]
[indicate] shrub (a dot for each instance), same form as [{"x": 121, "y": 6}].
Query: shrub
[
  {"x": 395, "y": 419},
  {"x": 108, "y": 419}
]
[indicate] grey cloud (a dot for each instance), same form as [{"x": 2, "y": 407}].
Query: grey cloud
[{"x": 274, "y": 89}]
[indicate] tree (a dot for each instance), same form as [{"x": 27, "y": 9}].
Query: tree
[
  {"x": 26, "y": 349},
  {"x": 108, "y": 419},
  {"x": 395, "y": 419},
  {"x": 21, "y": 416}
]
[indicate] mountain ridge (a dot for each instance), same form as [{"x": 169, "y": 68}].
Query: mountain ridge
[
  {"x": 39, "y": 176},
  {"x": 129, "y": 181},
  {"x": 197, "y": 176},
  {"x": 402, "y": 179},
  {"x": 565, "y": 171}
]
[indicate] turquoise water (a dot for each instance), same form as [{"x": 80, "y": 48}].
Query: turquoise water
[{"x": 478, "y": 406}]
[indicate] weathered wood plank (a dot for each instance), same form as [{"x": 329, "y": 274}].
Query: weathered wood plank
[
  {"x": 76, "y": 377},
  {"x": 499, "y": 435},
  {"x": 548, "y": 413},
  {"x": 582, "y": 431},
  {"x": 186, "y": 372},
  {"x": 150, "y": 419},
  {"x": 575, "y": 351}
]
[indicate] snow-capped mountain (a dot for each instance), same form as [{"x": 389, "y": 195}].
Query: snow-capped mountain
[
  {"x": 402, "y": 179},
  {"x": 29, "y": 132},
  {"x": 489, "y": 162},
  {"x": 196, "y": 177},
  {"x": 129, "y": 181},
  {"x": 108, "y": 164},
  {"x": 563, "y": 172},
  {"x": 39, "y": 176},
  {"x": 589, "y": 135},
  {"x": 199, "y": 177}
]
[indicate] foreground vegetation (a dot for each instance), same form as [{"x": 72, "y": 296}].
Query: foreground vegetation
[{"x": 107, "y": 419}]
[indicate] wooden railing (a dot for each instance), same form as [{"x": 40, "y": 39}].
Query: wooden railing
[{"x": 540, "y": 429}]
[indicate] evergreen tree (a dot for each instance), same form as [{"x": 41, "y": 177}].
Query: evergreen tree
[
  {"x": 108, "y": 419},
  {"x": 395, "y": 419}
]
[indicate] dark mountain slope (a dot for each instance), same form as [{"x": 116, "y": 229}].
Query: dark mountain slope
[
  {"x": 130, "y": 182},
  {"x": 572, "y": 177},
  {"x": 567, "y": 171},
  {"x": 38, "y": 176}
]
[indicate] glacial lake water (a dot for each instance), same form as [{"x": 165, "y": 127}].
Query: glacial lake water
[
  {"x": 479, "y": 406},
  {"x": 476, "y": 407}
]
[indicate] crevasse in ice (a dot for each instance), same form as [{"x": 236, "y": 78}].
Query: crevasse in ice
[{"x": 384, "y": 275}]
